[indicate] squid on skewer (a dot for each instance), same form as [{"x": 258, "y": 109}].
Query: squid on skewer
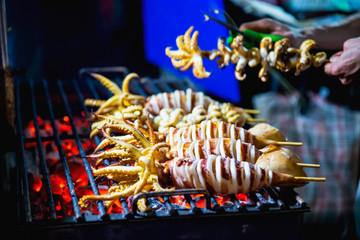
[
  {"x": 225, "y": 147},
  {"x": 279, "y": 55},
  {"x": 189, "y": 54},
  {"x": 225, "y": 175},
  {"x": 157, "y": 167},
  {"x": 219, "y": 129},
  {"x": 213, "y": 154},
  {"x": 186, "y": 100},
  {"x": 174, "y": 109},
  {"x": 189, "y": 100},
  {"x": 242, "y": 57},
  {"x": 275, "y": 158},
  {"x": 122, "y": 100}
]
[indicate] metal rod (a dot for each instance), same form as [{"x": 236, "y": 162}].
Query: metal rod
[
  {"x": 82, "y": 102},
  {"x": 69, "y": 180},
  {"x": 216, "y": 207},
  {"x": 150, "y": 86},
  {"x": 185, "y": 192},
  {"x": 260, "y": 205},
  {"x": 52, "y": 138},
  {"x": 164, "y": 85},
  {"x": 125, "y": 208},
  {"x": 86, "y": 164},
  {"x": 96, "y": 138},
  {"x": 5, "y": 65},
  {"x": 111, "y": 69},
  {"x": 178, "y": 85},
  {"x": 4, "y": 44},
  {"x": 23, "y": 186},
  {"x": 275, "y": 196},
  {"x": 139, "y": 89},
  {"x": 43, "y": 167},
  {"x": 192, "y": 204},
  {"x": 236, "y": 202},
  {"x": 170, "y": 208}
]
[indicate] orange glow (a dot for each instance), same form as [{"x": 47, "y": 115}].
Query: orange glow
[
  {"x": 36, "y": 183},
  {"x": 180, "y": 200},
  {"x": 243, "y": 198},
  {"x": 58, "y": 182},
  {"x": 58, "y": 207},
  {"x": 115, "y": 207}
]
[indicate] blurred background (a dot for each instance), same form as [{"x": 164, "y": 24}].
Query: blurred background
[{"x": 54, "y": 39}]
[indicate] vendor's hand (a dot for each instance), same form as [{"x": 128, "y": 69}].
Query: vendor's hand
[
  {"x": 346, "y": 64},
  {"x": 270, "y": 26}
]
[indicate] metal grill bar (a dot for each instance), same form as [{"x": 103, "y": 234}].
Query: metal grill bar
[
  {"x": 23, "y": 185},
  {"x": 170, "y": 208},
  {"x": 97, "y": 140},
  {"x": 146, "y": 88},
  {"x": 149, "y": 87},
  {"x": 88, "y": 170},
  {"x": 193, "y": 207},
  {"x": 51, "y": 138},
  {"x": 236, "y": 202},
  {"x": 69, "y": 181},
  {"x": 46, "y": 180},
  {"x": 125, "y": 208},
  {"x": 274, "y": 195},
  {"x": 164, "y": 86},
  {"x": 256, "y": 202}
]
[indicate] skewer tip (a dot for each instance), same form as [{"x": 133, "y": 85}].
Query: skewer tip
[
  {"x": 311, "y": 179},
  {"x": 310, "y": 165},
  {"x": 256, "y": 120},
  {"x": 290, "y": 143},
  {"x": 252, "y": 111}
]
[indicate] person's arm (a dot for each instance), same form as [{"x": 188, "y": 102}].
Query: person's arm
[
  {"x": 346, "y": 64},
  {"x": 343, "y": 34},
  {"x": 330, "y": 36}
]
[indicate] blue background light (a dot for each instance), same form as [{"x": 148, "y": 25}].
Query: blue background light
[{"x": 165, "y": 20}]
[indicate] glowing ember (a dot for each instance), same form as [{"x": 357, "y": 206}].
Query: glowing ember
[
  {"x": 58, "y": 182},
  {"x": 35, "y": 182}
]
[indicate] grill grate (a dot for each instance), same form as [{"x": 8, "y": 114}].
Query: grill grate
[{"x": 66, "y": 98}]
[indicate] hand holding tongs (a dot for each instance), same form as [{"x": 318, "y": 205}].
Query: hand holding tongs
[{"x": 251, "y": 37}]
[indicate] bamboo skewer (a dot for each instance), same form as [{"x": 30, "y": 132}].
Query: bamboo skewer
[
  {"x": 310, "y": 165},
  {"x": 282, "y": 143},
  {"x": 311, "y": 179},
  {"x": 256, "y": 120},
  {"x": 252, "y": 111},
  {"x": 287, "y": 143}
]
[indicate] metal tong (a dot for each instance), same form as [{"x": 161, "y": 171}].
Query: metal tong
[{"x": 252, "y": 38}]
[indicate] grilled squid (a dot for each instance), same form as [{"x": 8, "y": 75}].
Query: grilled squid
[
  {"x": 225, "y": 147},
  {"x": 242, "y": 57},
  {"x": 217, "y": 129},
  {"x": 265, "y": 47},
  {"x": 275, "y": 158},
  {"x": 223, "y": 52},
  {"x": 197, "y": 104},
  {"x": 225, "y": 175},
  {"x": 281, "y": 160},
  {"x": 279, "y": 55},
  {"x": 305, "y": 60},
  {"x": 189, "y": 54},
  {"x": 266, "y": 131},
  {"x": 177, "y": 99}
]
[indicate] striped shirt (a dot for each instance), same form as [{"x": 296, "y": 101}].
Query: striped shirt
[{"x": 331, "y": 137}]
